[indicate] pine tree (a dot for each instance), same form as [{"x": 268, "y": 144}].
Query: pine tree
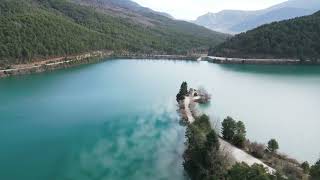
[
  {"x": 273, "y": 145},
  {"x": 182, "y": 92},
  {"x": 228, "y": 128},
  {"x": 315, "y": 171}
]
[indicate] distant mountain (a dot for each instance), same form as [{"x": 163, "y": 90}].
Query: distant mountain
[
  {"x": 270, "y": 16},
  {"x": 223, "y": 21},
  {"x": 295, "y": 38},
  {"x": 39, "y": 29},
  {"x": 232, "y": 21},
  {"x": 303, "y": 4}
]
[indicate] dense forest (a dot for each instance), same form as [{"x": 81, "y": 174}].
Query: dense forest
[
  {"x": 296, "y": 38},
  {"x": 38, "y": 29}
]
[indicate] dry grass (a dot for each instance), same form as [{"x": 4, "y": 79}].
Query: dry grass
[
  {"x": 290, "y": 167},
  {"x": 287, "y": 166}
]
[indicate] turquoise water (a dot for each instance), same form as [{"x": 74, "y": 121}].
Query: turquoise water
[{"x": 117, "y": 119}]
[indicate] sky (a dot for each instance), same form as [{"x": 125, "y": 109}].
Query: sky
[{"x": 191, "y": 9}]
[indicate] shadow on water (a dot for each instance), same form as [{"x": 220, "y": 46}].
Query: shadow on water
[
  {"x": 298, "y": 70},
  {"x": 133, "y": 147}
]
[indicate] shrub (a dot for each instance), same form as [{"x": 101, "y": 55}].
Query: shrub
[
  {"x": 204, "y": 96},
  {"x": 256, "y": 149},
  {"x": 238, "y": 140},
  {"x": 240, "y": 129},
  {"x": 315, "y": 171},
  {"x": 242, "y": 171},
  {"x": 202, "y": 158},
  {"x": 240, "y": 135},
  {"x": 182, "y": 92},
  {"x": 306, "y": 167},
  {"x": 291, "y": 171},
  {"x": 234, "y": 132},
  {"x": 273, "y": 145},
  {"x": 8, "y": 67},
  {"x": 228, "y": 128}
]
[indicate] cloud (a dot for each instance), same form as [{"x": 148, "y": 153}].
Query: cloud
[{"x": 147, "y": 146}]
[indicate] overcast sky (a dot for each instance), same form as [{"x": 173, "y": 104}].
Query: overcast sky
[{"x": 191, "y": 9}]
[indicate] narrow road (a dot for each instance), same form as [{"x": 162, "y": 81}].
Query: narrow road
[
  {"x": 238, "y": 155},
  {"x": 187, "y": 101}
]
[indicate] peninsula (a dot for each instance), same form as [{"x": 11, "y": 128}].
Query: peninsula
[{"x": 231, "y": 151}]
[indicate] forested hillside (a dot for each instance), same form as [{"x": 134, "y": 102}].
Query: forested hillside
[
  {"x": 296, "y": 38},
  {"x": 38, "y": 29}
]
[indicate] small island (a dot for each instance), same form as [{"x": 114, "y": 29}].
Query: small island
[{"x": 230, "y": 156}]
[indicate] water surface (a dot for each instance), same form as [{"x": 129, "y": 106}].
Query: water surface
[{"x": 117, "y": 119}]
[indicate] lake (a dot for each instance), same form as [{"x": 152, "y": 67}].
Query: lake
[{"x": 117, "y": 119}]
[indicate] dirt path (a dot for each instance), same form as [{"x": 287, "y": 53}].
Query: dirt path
[
  {"x": 236, "y": 154},
  {"x": 187, "y": 101},
  {"x": 239, "y": 155}
]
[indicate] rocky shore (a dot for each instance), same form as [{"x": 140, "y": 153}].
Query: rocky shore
[
  {"x": 85, "y": 58},
  {"x": 54, "y": 64}
]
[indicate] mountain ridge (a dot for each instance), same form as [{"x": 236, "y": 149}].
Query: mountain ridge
[
  {"x": 37, "y": 29},
  {"x": 296, "y": 38},
  {"x": 271, "y": 16},
  {"x": 121, "y": 4},
  {"x": 253, "y": 19}
]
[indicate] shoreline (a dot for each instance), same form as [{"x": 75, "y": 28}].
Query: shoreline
[
  {"x": 236, "y": 154},
  {"x": 99, "y": 56},
  {"x": 226, "y": 60},
  {"x": 85, "y": 58},
  {"x": 250, "y": 153}
]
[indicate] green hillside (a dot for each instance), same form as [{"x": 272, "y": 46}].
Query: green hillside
[
  {"x": 37, "y": 29},
  {"x": 296, "y": 38}
]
